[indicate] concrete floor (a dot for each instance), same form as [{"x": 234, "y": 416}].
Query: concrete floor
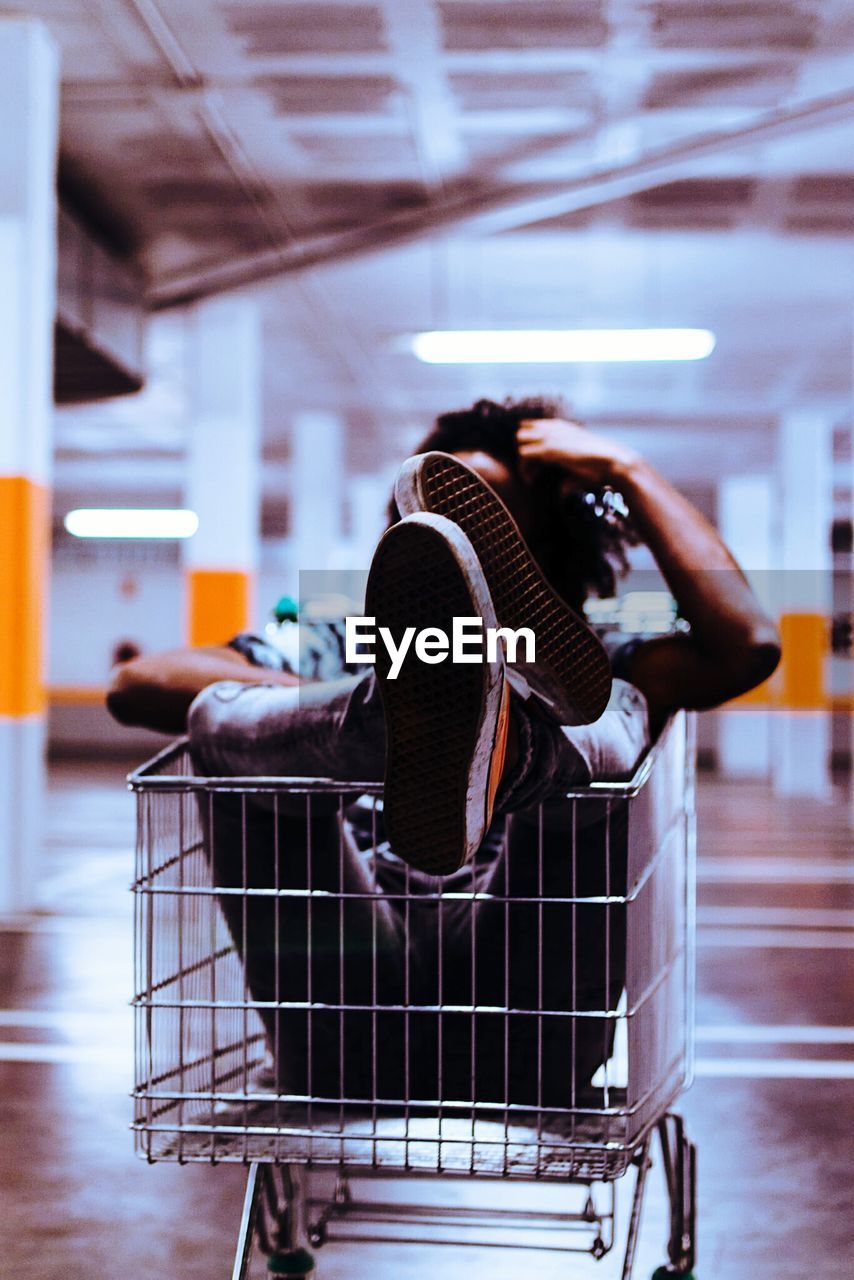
[{"x": 769, "y": 1107}]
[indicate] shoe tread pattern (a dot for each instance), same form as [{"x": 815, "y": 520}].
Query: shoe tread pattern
[
  {"x": 522, "y": 597},
  {"x": 432, "y": 711}
]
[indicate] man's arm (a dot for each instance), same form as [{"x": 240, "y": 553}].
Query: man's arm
[
  {"x": 733, "y": 644},
  {"x": 156, "y": 691}
]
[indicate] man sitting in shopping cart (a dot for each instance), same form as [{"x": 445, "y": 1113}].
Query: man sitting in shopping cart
[{"x": 513, "y": 515}]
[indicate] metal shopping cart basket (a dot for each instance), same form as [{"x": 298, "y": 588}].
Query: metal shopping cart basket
[{"x": 309, "y": 1007}]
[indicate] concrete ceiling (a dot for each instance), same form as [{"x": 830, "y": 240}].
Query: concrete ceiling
[{"x": 463, "y": 163}]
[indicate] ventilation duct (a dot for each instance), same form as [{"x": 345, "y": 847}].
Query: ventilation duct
[{"x": 99, "y": 318}]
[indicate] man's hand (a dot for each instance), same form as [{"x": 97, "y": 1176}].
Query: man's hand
[
  {"x": 589, "y": 458},
  {"x": 733, "y": 645},
  {"x": 156, "y": 690}
]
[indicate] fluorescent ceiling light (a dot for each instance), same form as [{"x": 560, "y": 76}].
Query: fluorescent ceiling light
[
  {"x": 117, "y": 522},
  {"x": 560, "y": 346}
]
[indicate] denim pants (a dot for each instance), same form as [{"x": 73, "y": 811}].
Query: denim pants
[{"x": 408, "y": 955}]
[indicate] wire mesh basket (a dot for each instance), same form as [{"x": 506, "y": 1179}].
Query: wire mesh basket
[{"x": 304, "y": 998}]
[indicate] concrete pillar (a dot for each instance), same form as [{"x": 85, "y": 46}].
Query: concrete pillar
[
  {"x": 223, "y": 467},
  {"x": 745, "y": 520},
  {"x": 369, "y": 498},
  {"x": 802, "y": 723},
  {"x": 28, "y": 144},
  {"x": 317, "y": 490}
]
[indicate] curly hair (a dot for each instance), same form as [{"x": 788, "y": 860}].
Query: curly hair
[{"x": 579, "y": 549}]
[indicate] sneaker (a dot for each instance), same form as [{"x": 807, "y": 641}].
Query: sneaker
[
  {"x": 572, "y": 669},
  {"x": 446, "y": 723}
]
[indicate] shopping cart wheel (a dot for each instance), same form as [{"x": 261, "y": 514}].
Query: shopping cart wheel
[
  {"x": 293, "y": 1262},
  {"x": 679, "y": 1157}
]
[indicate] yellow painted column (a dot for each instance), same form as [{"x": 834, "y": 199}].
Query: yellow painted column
[
  {"x": 28, "y": 146},
  {"x": 223, "y": 472}
]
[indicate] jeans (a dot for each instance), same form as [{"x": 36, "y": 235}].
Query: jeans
[{"x": 406, "y": 958}]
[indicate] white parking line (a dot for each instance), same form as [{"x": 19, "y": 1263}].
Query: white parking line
[
  {"x": 775, "y": 1035},
  {"x": 775, "y": 1068},
  {"x": 67, "y": 1054},
  {"x": 738, "y": 1033},
  {"x": 706, "y": 1068},
  {"x": 713, "y": 870},
  {"x": 78, "y": 1024},
  {"x": 776, "y": 939},
  {"x": 71, "y": 926},
  {"x": 803, "y": 917}
]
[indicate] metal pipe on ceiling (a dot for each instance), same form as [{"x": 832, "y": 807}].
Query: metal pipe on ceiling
[
  {"x": 500, "y": 207},
  {"x": 356, "y": 360}
]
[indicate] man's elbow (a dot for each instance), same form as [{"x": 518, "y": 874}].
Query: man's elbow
[
  {"x": 762, "y": 654},
  {"x": 123, "y": 695}
]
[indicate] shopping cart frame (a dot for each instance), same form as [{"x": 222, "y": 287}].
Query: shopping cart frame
[{"x": 610, "y": 1130}]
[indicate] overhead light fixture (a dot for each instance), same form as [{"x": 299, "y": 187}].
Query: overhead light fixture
[
  {"x": 118, "y": 522},
  {"x": 560, "y": 346}
]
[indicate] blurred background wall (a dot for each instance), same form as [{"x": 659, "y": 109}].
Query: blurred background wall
[{"x": 260, "y": 204}]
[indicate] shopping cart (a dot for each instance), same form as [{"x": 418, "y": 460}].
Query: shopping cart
[{"x": 309, "y": 1007}]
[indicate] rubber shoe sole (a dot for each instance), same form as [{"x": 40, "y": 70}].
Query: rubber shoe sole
[
  {"x": 572, "y": 669},
  {"x": 446, "y": 723}
]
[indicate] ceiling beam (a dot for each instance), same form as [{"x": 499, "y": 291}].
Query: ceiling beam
[
  {"x": 464, "y": 62},
  {"x": 498, "y": 207},
  {"x": 416, "y": 42},
  {"x": 354, "y": 358}
]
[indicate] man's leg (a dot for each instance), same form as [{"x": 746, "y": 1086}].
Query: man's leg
[
  {"x": 547, "y": 958},
  {"x": 331, "y": 730},
  {"x": 553, "y": 758},
  {"x": 543, "y": 958},
  {"x": 338, "y": 950}
]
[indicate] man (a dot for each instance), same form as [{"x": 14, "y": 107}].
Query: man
[{"x": 460, "y": 745}]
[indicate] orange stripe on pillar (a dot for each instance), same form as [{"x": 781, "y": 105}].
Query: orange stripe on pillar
[
  {"x": 24, "y": 552},
  {"x": 806, "y": 644},
  {"x": 218, "y": 604}
]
